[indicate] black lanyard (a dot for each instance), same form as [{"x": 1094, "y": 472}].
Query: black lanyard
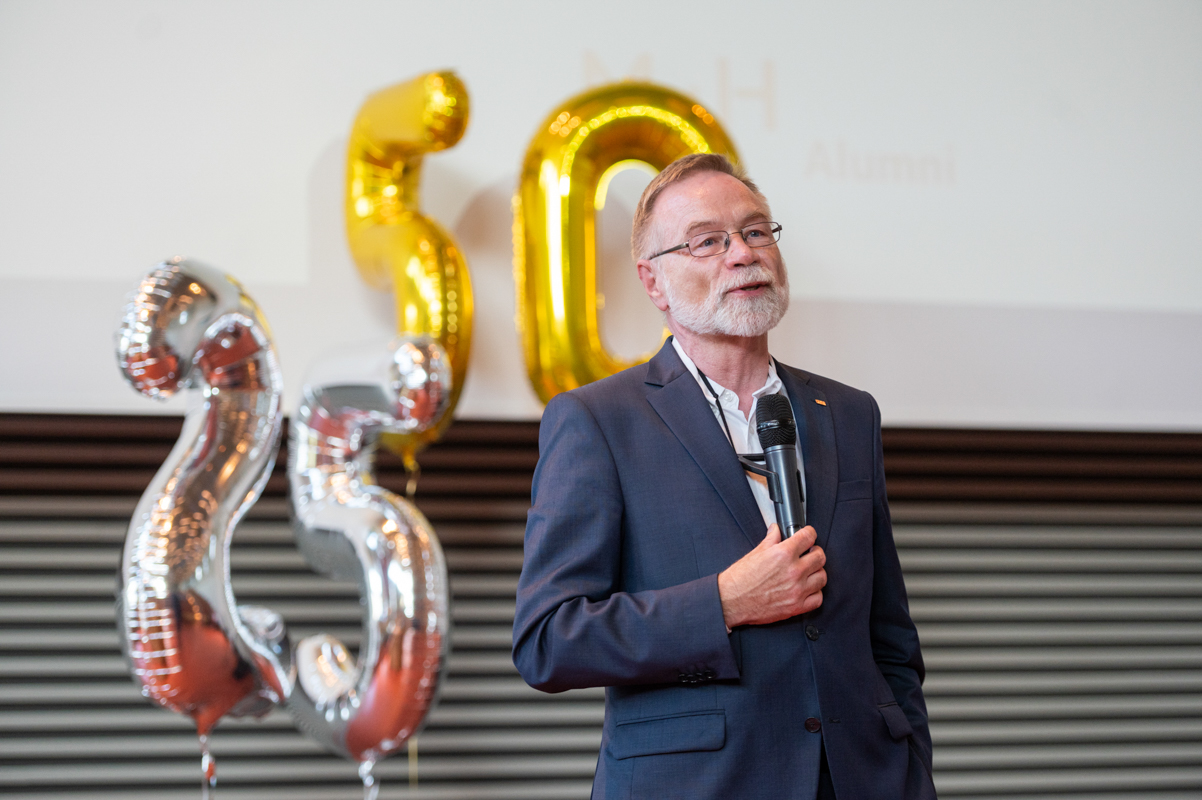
[
  {"x": 721, "y": 411},
  {"x": 746, "y": 460}
]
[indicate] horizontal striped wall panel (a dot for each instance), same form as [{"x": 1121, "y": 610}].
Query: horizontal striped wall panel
[
  {"x": 1063, "y": 642},
  {"x": 112, "y": 455}
]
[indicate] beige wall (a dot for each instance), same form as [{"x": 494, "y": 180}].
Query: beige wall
[{"x": 991, "y": 212}]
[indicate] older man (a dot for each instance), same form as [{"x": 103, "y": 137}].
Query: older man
[{"x": 737, "y": 665}]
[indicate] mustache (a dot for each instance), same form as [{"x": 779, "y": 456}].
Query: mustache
[{"x": 749, "y": 275}]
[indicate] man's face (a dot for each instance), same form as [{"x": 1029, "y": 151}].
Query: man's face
[{"x": 742, "y": 292}]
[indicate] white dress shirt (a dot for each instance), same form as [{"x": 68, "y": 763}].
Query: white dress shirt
[{"x": 746, "y": 441}]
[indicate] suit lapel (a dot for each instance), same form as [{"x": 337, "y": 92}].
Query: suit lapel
[
  {"x": 816, "y": 432},
  {"x": 684, "y": 409}
]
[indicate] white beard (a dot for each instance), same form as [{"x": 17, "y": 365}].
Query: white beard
[{"x": 732, "y": 315}]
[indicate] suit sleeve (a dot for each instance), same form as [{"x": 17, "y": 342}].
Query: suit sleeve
[
  {"x": 894, "y": 638},
  {"x": 573, "y": 627}
]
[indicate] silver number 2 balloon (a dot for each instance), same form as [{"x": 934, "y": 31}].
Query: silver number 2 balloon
[
  {"x": 350, "y": 528},
  {"x": 190, "y": 648}
]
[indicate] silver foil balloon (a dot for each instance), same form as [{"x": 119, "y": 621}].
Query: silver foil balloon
[
  {"x": 190, "y": 648},
  {"x": 352, "y": 529}
]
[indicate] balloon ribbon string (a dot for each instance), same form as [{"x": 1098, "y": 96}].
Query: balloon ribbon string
[
  {"x": 413, "y": 763},
  {"x": 413, "y": 471}
]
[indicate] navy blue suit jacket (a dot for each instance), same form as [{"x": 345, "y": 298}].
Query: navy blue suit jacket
[{"x": 638, "y": 503}]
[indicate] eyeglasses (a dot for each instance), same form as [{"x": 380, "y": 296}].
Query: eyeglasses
[{"x": 703, "y": 245}]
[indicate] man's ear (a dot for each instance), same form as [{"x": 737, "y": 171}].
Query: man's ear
[{"x": 651, "y": 282}]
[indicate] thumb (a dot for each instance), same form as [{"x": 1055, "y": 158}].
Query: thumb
[{"x": 771, "y": 537}]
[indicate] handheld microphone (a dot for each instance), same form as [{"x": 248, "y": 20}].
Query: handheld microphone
[{"x": 778, "y": 436}]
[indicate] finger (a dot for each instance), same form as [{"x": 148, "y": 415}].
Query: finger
[
  {"x": 813, "y": 561},
  {"x": 771, "y": 537},
  {"x": 815, "y": 582},
  {"x": 803, "y": 540}
]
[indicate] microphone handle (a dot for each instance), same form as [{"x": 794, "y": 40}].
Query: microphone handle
[{"x": 790, "y": 513}]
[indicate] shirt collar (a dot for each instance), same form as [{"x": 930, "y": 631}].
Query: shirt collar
[{"x": 772, "y": 385}]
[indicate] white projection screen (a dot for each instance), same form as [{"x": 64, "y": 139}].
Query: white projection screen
[{"x": 992, "y": 211}]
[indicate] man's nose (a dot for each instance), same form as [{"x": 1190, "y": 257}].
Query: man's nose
[{"x": 738, "y": 252}]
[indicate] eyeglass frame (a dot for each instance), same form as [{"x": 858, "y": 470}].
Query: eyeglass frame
[{"x": 775, "y": 230}]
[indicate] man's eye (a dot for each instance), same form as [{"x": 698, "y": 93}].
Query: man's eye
[
  {"x": 708, "y": 241},
  {"x": 753, "y": 233}
]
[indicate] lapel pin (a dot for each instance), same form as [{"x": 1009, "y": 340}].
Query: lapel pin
[{"x": 820, "y": 402}]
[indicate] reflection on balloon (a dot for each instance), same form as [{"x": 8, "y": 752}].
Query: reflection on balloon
[
  {"x": 190, "y": 650},
  {"x": 565, "y": 176},
  {"x": 349, "y": 528},
  {"x": 393, "y": 243}
]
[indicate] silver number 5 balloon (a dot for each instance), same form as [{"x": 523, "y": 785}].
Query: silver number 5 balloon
[
  {"x": 190, "y": 648},
  {"x": 350, "y": 528}
]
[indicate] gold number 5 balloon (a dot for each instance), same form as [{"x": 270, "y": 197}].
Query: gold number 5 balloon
[
  {"x": 564, "y": 179},
  {"x": 393, "y": 243}
]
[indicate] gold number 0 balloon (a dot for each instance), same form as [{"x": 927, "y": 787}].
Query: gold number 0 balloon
[
  {"x": 392, "y": 242},
  {"x": 568, "y": 167}
]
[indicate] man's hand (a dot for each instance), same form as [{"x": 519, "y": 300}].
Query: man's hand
[{"x": 775, "y": 581}]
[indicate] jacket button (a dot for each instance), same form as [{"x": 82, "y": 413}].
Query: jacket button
[
  {"x": 813, "y": 725},
  {"x": 812, "y": 633}
]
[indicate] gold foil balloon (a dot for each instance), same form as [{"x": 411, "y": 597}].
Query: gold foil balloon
[
  {"x": 393, "y": 243},
  {"x": 570, "y": 162},
  {"x": 190, "y": 649}
]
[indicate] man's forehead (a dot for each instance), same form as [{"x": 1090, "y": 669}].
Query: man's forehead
[{"x": 710, "y": 198}]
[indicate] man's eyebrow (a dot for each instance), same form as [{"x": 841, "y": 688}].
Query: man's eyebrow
[
  {"x": 707, "y": 225},
  {"x": 704, "y": 225}
]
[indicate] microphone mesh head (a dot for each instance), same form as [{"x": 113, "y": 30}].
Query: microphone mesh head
[{"x": 774, "y": 421}]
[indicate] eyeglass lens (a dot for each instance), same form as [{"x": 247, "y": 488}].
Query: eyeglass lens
[{"x": 760, "y": 234}]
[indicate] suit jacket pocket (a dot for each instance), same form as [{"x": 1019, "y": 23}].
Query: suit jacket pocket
[
  {"x": 676, "y": 734},
  {"x": 896, "y": 721},
  {"x": 854, "y": 490}
]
